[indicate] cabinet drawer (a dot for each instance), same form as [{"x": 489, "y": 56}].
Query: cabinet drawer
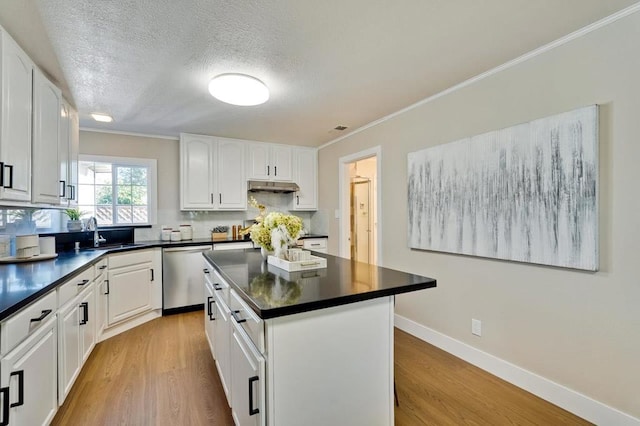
[
  {"x": 74, "y": 286},
  {"x": 100, "y": 267},
  {"x": 243, "y": 316},
  {"x": 216, "y": 282},
  {"x": 233, "y": 246},
  {"x": 314, "y": 243},
  {"x": 136, "y": 257},
  {"x": 26, "y": 321}
]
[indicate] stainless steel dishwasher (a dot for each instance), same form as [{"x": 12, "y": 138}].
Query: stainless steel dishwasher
[{"x": 182, "y": 279}]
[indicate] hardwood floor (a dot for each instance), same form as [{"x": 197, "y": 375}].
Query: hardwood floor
[{"x": 162, "y": 373}]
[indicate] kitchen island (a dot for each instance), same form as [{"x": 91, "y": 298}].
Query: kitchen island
[{"x": 312, "y": 347}]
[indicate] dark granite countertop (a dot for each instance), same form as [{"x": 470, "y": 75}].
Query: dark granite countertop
[
  {"x": 273, "y": 292},
  {"x": 23, "y": 283}
]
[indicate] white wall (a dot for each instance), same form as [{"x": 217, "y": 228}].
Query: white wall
[
  {"x": 578, "y": 329},
  {"x": 167, "y": 154}
]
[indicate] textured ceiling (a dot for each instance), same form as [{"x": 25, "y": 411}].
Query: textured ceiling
[{"x": 327, "y": 63}]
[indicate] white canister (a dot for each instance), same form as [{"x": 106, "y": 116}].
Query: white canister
[
  {"x": 165, "y": 234},
  {"x": 47, "y": 245},
  {"x": 175, "y": 235},
  {"x": 27, "y": 246},
  {"x": 186, "y": 233}
]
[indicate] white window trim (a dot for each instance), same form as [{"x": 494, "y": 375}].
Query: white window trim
[{"x": 152, "y": 182}]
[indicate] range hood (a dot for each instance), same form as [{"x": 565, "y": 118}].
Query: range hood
[{"x": 279, "y": 187}]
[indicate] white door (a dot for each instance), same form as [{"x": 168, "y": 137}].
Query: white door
[
  {"x": 258, "y": 161},
  {"x": 46, "y": 130},
  {"x": 222, "y": 334},
  {"x": 196, "y": 168},
  {"x": 281, "y": 163},
  {"x": 88, "y": 323},
  {"x": 29, "y": 379},
  {"x": 306, "y": 176},
  {"x": 15, "y": 136},
  {"x": 129, "y": 293},
  {"x": 69, "y": 360},
  {"x": 230, "y": 176},
  {"x": 247, "y": 381}
]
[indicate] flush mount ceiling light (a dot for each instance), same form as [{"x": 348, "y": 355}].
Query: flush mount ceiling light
[
  {"x": 238, "y": 89},
  {"x": 103, "y": 118}
]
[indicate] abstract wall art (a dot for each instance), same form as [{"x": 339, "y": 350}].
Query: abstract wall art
[{"x": 527, "y": 193}]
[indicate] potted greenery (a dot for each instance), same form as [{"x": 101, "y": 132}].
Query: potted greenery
[{"x": 74, "y": 223}]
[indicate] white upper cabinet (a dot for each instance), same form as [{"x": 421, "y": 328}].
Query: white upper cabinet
[
  {"x": 196, "y": 172},
  {"x": 229, "y": 175},
  {"x": 305, "y": 174},
  {"x": 16, "y": 71},
  {"x": 68, "y": 147},
  {"x": 46, "y": 131},
  {"x": 269, "y": 162},
  {"x": 212, "y": 173}
]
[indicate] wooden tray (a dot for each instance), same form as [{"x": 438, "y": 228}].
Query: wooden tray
[{"x": 13, "y": 259}]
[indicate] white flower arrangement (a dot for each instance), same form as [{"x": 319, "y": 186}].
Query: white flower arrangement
[{"x": 275, "y": 231}]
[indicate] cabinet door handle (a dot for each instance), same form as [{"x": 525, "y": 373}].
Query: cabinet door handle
[
  {"x": 20, "y": 375},
  {"x": 85, "y": 313},
  {"x": 83, "y": 282},
  {"x": 10, "y": 167},
  {"x": 217, "y": 286},
  {"x": 72, "y": 192},
  {"x": 107, "y": 283},
  {"x": 210, "y": 301},
  {"x": 64, "y": 189},
  {"x": 153, "y": 277},
  {"x": 275, "y": 170},
  {"x": 212, "y": 198},
  {"x": 41, "y": 317},
  {"x": 5, "y": 406},
  {"x": 1, "y": 185},
  {"x": 236, "y": 317},
  {"x": 205, "y": 270},
  {"x": 268, "y": 170},
  {"x": 220, "y": 194},
  {"x": 252, "y": 410},
  {"x": 297, "y": 199}
]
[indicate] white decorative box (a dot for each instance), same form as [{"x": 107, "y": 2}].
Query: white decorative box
[{"x": 314, "y": 262}]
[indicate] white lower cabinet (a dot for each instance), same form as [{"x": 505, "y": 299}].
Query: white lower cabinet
[
  {"x": 222, "y": 336},
  {"x": 102, "y": 304},
  {"x": 76, "y": 338},
  {"x": 247, "y": 380},
  {"x": 132, "y": 286},
  {"x": 28, "y": 384},
  {"x": 210, "y": 315}
]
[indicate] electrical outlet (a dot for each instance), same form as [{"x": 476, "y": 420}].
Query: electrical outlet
[{"x": 476, "y": 327}]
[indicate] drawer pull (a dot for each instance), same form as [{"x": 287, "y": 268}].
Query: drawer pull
[
  {"x": 5, "y": 406},
  {"x": 107, "y": 283},
  {"x": 103, "y": 267},
  {"x": 83, "y": 282},
  {"x": 217, "y": 286},
  {"x": 153, "y": 277},
  {"x": 315, "y": 245},
  {"x": 20, "y": 375},
  {"x": 205, "y": 270},
  {"x": 236, "y": 317},
  {"x": 252, "y": 410},
  {"x": 41, "y": 317}
]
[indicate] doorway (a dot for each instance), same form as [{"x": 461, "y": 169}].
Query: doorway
[{"x": 360, "y": 207}]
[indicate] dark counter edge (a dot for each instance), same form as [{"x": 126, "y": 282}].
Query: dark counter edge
[
  {"x": 100, "y": 253},
  {"x": 320, "y": 304}
]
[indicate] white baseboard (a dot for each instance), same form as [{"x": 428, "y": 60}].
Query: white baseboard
[{"x": 570, "y": 400}]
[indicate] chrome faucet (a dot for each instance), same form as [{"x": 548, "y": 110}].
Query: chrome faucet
[{"x": 92, "y": 225}]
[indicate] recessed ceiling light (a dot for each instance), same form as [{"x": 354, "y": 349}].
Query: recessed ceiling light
[
  {"x": 103, "y": 118},
  {"x": 238, "y": 89}
]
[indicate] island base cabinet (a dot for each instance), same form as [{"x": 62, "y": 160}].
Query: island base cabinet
[
  {"x": 247, "y": 381},
  {"x": 29, "y": 379},
  {"x": 222, "y": 337},
  {"x": 332, "y": 366}
]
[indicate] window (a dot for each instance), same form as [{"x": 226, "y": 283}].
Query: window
[{"x": 116, "y": 190}]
